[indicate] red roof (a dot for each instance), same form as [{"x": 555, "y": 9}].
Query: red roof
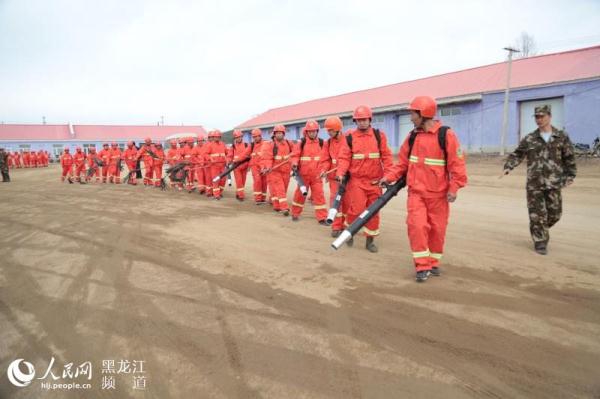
[
  {"x": 92, "y": 132},
  {"x": 540, "y": 70}
]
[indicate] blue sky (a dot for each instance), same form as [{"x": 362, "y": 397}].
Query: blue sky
[{"x": 220, "y": 63}]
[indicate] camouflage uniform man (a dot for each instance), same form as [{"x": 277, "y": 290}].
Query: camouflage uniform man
[
  {"x": 550, "y": 167},
  {"x": 4, "y": 166}
]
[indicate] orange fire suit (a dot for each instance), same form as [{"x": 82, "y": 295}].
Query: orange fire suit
[
  {"x": 216, "y": 152},
  {"x": 148, "y": 162},
  {"x": 279, "y": 178},
  {"x": 157, "y": 164},
  {"x": 259, "y": 182},
  {"x": 114, "y": 173},
  {"x": 365, "y": 162},
  {"x": 79, "y": 160},
  {"x": 66, "y": 161},
  {"x": 130, "y": 157},
  {"x": 92, "y": 165},
  {"x": 430, "y": 177},
  {"x": 234, "y": 154},
  {"x": 307, "y": 161},
  {"x": 105, "y": 155},
  {"x": 329, "y": 161}
]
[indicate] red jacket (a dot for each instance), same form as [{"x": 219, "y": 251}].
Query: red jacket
[
  {"x": 130, "y": 155},
  {"x": 364, "y": 160},
  {"x": 105, "y": 156},
  {"x": 285, "y": 149},
  {"x": 254, "y": 151},
  {"x": 90, "y": 159},
  {"x": 146, "y": 157},
  {"x": 79, "y": 158},
  {"x": 330, "y": 153},
  {"x": 429, "y": 174},
  {"x": 216, "y": 151},
  {"x": 307, "y": 158},
  {"x": 66, "y": 160},
  {"x": 172, "y": 156},
  {"x": 115, "y": 155},
  {"x": 236, "y": 152}
]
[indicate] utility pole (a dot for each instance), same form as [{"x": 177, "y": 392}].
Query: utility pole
[
  {"x": 43, "y": 120},
  {"x": 162, "y": 120},
  {"x": 506, "y": 93}
]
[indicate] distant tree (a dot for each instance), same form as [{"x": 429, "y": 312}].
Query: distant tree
[{"x": 525, "y": 43}]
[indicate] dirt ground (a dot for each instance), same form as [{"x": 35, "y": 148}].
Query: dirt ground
[{"x": 230, "y": 300}]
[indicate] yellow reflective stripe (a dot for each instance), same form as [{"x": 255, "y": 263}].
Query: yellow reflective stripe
[
  {"x": 436, "y": 162},
  {"x": 435, "y": 255},
  {"x": 413, "y": 159},
  {"x": 257, "y": 193},
  {"x": 358, "y": 156},
  {"x": 371, "y": 232},
  {"x": 334, "y": 161},
  {"x": 253, "y": 154},
  {"x": 310, "y": 158},
  {"x": 339, "y": 215},
  {"x": 422, "y": 254},
  {"x": 240, "y": 189},
  {"x": 213, "y": 155},
  {"x": 297, "y": 204},
  {"x": 374, "y": 155},
  {"x": 278, "y": 157},
  {"x": 320, "y": 206}
]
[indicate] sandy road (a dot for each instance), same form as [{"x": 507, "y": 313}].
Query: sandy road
[{"x": 230, "y": 300}]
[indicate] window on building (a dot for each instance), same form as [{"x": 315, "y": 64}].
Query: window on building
[
  {"x": 449, "y": 111},
  {"x": 347, "y": 122},
  {"x": 378, "y": 119},
  {"x": 24, "y": 147}
]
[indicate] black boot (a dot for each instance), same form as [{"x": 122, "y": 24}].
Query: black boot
[
  {"x": 540, "y": 247},
  {"x": 371, "y": 245},
  {"x": 336, "y": 233}
]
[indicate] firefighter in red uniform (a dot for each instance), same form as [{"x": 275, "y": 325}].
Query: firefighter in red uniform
[
  {"x": 114, "y": 172},
  {"x": 433, "y": 175},
  {"x": 66, "y": 161},
  {"x": 130, "y": 156},
  {"x": 305, "y": 161},
  {"x": 259, "y": 181},
  {"x": 199, "y": 165},
  {"x": 364, "y": 154},
  {"x": 275, "y": 164},
  {"x": 234, "y": 154},
  {"x": 186, "y": 154},
  {"x": 158, "y": 163},
  {"x": 18, "y": 160},
  {"x": 91, "y": 156},
  {"x": 105, "y": 155},
  {"x": 328, "y": 167},
  {"x": 79, "y": 160},
  {"x": 145, "y": 152},
  {"x": 216, "y": 151}
]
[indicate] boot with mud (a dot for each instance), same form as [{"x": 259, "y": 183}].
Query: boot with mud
[{"x": 371, "y": 247}]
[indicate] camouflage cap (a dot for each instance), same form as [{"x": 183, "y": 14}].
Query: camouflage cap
[{"x": 543, "y": 109}]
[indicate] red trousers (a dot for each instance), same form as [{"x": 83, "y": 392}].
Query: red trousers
[
  {"x": 240, "y": 174},
  {"x": 338, "y": 222},
  {"x": 148, "y": 173},
  {"x": 360, "y": 194},
  {"x": 95, "y": 173},
  {"x": 131, "y": 166},
  {"x": 259, "y": 185},
  {"x": 79, "y": 170},
  {"x": 114, "y": 174},
  {"x": 217, "y": 187},
  {"x": 427, "y": 220},
  {"x": 315, "y": 185},
  {"x": 104, "y": 173},
  {"x": 278, "y": 181},
  {"x": 67, "y": 171},
  {"x": 158, "y": 169}
]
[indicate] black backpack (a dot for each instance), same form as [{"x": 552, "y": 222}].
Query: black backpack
[
  {"x": 377, "y": 137},
  {"x": 441, "y": 140},
  {"x": 303, "y": 141},
  {"x": 276, "y": 147}
]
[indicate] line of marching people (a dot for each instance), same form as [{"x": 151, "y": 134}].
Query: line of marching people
[
  {"x": 357, "y": 164},
  {"x": 28, "y": 159}
]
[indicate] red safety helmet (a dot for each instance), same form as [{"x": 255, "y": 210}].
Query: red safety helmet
[
  {"x": 311, "y": 125},
  {"x": 105, "y": 145},
  {"x": 148, "y": 140},
  {"x": 113, "y": 144},
  {"x": 173, "y": 143},
  {"x": 201, "y": 137},
  {"x": 425, "y": 105},
  {"x": 130, "y": 143},
  {"x": 217, "y": 133},
  {"x": 237, "y": 133},
  {"x": 362, "y": 112},
  {"x": 279, "y": 128},
  {"x": 78, "y": 149},
  {"x": 66, "y": 149},
  {"x": 256, "y": 133},
  {"x": 333, "y": 123}
]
